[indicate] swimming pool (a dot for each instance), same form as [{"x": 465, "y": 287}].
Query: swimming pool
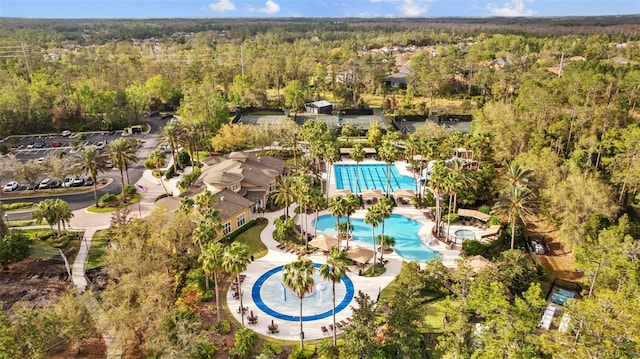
[
  {"x": 272, "y": 297},
  {"x": 403, "y": 229},
  {"x": 370, "y": 177}
]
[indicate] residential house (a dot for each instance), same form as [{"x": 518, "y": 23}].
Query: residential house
[{"x": 398, "y": 79}]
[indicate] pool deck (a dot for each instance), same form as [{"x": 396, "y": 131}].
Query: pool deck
[{"x": 276, "y": 257}]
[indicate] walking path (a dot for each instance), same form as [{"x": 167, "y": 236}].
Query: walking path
[{"x": 93, "y": 222}]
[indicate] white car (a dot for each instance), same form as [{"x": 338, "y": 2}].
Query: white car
[
  {"x": 66, "y": 133},
  {"x": 100, "y": 145},
  {"x": 11, "y": 186},
  {"x": 41, "y": 160},
  {"x": 67, "y": 182},
  {"x": 46, "y": 183}
]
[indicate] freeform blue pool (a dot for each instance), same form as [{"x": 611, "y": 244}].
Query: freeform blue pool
[
  {"x": 272, "y": 297},
  {"x": 370, "y": 177},
  {"x": 403, "y": 229}
]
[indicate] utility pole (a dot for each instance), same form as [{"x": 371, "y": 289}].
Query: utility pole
[
  {"x": 242, "y": 60},
  {"x": 561, "y": 62}
]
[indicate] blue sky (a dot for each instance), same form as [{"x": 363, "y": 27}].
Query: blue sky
[{"x": 311, "y": 8}]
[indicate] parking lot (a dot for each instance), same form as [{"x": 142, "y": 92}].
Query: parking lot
[{"x": 33, "y": 147}]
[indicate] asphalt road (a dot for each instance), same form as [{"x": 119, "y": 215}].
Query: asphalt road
[{"x": 82, "y": 200}]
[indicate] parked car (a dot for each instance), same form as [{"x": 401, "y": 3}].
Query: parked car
[
  {"x": 88, "y": 181},
  {"x": 11, "y": 186},
  {"x": 39, "y": 144},
  {"x": 78, "y": 181},
  {"x": 68, "y": 182},
  {"x": 109, "y": 164},
  {"x": 41, "y": 160},
  {"x": 45, "y": 183},
  {"x": 29, "y": 146},
  {"x": 57, "y": 144},
  {"x": 100, "y": 145},
  {"x": 66, "y": 133}
]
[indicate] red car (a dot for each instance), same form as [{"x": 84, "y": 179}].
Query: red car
[{"x": 57, "y": 144}]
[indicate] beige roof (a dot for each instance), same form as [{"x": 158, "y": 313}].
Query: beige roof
[
  {"x": 372, "y": 193},
  {"x": 324, "y": 242},
  {"x": 340, "y": 193},
  {"x": 490, "y": 232},
  {"x": 171, "y": 204},
  {"x": 256, "y": 171},
  {"x": 222, "y": 178},
  {"x": 229, "y": 202},
  {"x": 478, "y": 262},
  {"x": 404, "y": 193},
  {"x": 360, "y": 254},
  {"x": 474, "y": 214}
]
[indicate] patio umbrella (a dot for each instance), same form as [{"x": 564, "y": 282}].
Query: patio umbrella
[
  {"x": 324, "y": 242},
  {"x": 404, "y": 193},
  {"x": 340, "y": 193},
  {"x": 360, "y": 254},
  {"x": 372, "y": 193}
]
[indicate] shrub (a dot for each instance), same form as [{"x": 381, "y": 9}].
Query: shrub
[
  {"x": 223, "y": 327},
  {"x": 189, "y": 178},
  {"x": 245, "y": 342},
  {"x": 204, "y": 350},
  {"x": 4, "y": 149},
  {"x": 326, "y": 350},
  {"x": 484, "y": 209},
  {"x": 14, "y": 247},
  {"x": 473, "y": 248},
  {"x": 238, "y": 231},
  {"x": 184, "y": 159},
  {"x": 307, "y": 353},
  {"x": 108, "y": 200},
  {"x": 170, "y": 173},
  {"x": 161, "y": 197},
  {"x": 148, "y": 164},
  {"x": 454, "y": 217},
  {"x": 130, "y": 190},
  {"x": 16, "y": 205},
  {"x": 81, "y": 136},
  {"x": 494, "y": 221},
  {"x": 269, "y": 350}
]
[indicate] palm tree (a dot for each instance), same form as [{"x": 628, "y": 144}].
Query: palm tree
[
  {"x": 205, "y": 201},
  {"x": 336, "y": 267},
  {"x": 317, "y": 203},
  {"x": 93, "y": 162},
  {"x": 373, "y": 217},
  {"x": 172, "y": 134},
  {"x": 331, "y": 156},
  {"x": 123, "y": 152},
  {"x": 192, "y": 137},
  {"x": 234, "y": 261},
  {"x": 302, "y": 190},
  {"x": 337, "y": 208},
  {"x": 211, "y": 258},
  {"x": 351, "y": 204},
  {"x": 517, "y": 175},
  {"x": 518, "y": 203},
  {"x": 414, "y": 146},
  {"x": 357, "y": 154},
  {"x": 436, "y": 185},
  {"x": 285, "y": 193},
  {"x": 204, "y": 233},
  {"x": 386, "y": 209},
  {"x": 306, "y": 168},
  {"x": 159, "y": 159},
  {"x": 53, "y": 211},
  {"x": 385, "y": 242},
  {"x": 298, "y": 277},
  {"x": 389, "y": 153},
  {"x": 461, "y": 177}
]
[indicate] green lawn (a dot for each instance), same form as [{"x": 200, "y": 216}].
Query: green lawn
[
  {"x": 96, "y": 252},
  {"x": 251, "y": 238},
  {"x": 94, "y": 209},
  {"x": 41, "y": 250}
]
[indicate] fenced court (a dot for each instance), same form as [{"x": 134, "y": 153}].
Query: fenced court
[
  {"x": 255, "y": 119},
  {"x": 364, "y": 121}
]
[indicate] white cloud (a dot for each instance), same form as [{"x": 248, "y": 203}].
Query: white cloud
[
  {"x": 510, "y": 8},
  {"x": 413, "y": 8},
  {"x": 270, "y": 7},
  {"x": 222, "y": 6}
]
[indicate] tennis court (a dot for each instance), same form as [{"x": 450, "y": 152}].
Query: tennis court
[
  {"x": 364, "y": 121},
  {"x": 262, "y": 119}
]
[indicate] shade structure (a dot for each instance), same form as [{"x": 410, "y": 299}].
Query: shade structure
[
  {"x": 478, "y": 262},
  {"x": 404, "y": 193},
  {"x": 474, "y": 214},
  {"x": 324, "y": 242},
  {"x": 492, "y": 231},
  {"x": 360, "y": 254},
  {"x": 171, "y": 204},
  {"x": 341, "y": 193},
  {"x": 372, "y": 193}
]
